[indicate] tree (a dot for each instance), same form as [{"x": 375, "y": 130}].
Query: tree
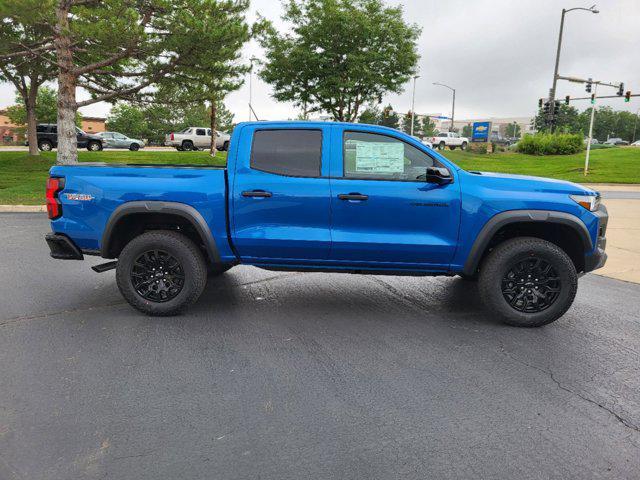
[
  {"x": 566, "y": 120},
  {"x": 429, "y": 127},
  {"x": 467, "y": 131},
  {"x": 46, "y": 108},
  {"x": 224, "y": 118},
  {"x": 115, "y": 49},
  {"x": 128, "y": 119},
  {"x": 389, "y": 117},
  {"x": 21, "y": 63},
  {"x": 406, "y": 123},
  {"x": 512, "y": 130},
  {"x": 339, "y": 55},
  {"x": 370, "y": 115}
]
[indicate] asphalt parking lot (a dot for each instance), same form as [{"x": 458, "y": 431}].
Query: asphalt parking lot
[{"x": 290, "y": 376}]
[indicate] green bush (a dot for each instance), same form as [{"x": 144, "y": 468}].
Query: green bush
[{"x": 551, "y": 144}]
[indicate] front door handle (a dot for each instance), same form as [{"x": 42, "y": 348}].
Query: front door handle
[
  {"x": 256, "y": 193},
  {"x": 353, "y": 196}
]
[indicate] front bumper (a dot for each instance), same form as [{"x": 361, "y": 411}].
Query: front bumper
[
  {"x": 598, "y": 257},
  {"x": 62, "y": 247}
]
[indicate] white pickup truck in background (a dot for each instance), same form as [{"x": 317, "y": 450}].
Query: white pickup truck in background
[
  {"x": 449, "y": 139},
  {"x": 196, "y": 138}
]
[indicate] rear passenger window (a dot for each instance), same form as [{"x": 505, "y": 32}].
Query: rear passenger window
[
  {"x": 293, "y": 152},
  {"x": 200, "y": 131},
  {"x": 41, "y": 128}
]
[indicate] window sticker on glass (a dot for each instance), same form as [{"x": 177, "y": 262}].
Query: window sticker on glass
[{"x": 379, "y": 157}]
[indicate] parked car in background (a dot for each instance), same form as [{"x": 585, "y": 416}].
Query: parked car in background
[
  {"x": 47, "y": 134},
  {"x": 424, "y": 141},
  {"x": 616, "y": 141},
  {"x": 118, "y": 140},
  {"x": 449, "y": 139},
  {"x": 196, "y": 138},
  {"x": 499, "y": 139},
  {"x": 636, "y": 143},
  {"x": 594, "y": 141}
]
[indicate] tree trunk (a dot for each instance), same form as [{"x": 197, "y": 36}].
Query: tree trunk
[
  {"x": 67, "y": 137},
  {"x": 32, "y": 122},
  {"x": 213, "y": 149}
]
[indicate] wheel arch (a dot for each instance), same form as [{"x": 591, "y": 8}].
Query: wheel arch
[
  {"x": 563, "y": 229},
  {"x": 133, "y": 218}
]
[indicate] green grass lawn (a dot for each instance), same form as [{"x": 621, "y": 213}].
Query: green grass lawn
[
  {"x": 22, "y": 178},
  {"x": 612, "y": 165}
]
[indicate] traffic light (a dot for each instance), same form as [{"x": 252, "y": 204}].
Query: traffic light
[
  {"x": 593, "y": 98},
  {"x": 621, "y": 90},
  {"x": 627, "y": 96},
  {"x": 588, "y": 85},
  {"x": 540, "y": 102},
  {"x": 566, "y": 100},
  {"x": 556, "y": 107},
  {"x": 546, "y": 107}
]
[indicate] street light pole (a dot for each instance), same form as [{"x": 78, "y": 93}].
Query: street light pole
[
  {"x": 552, "y": 92},
  {"x": 413, "y": 102},
  {"x": 251, "y": 60},
  {"x": 453, "y": 105},
  {"x": 593, "y": 112}
]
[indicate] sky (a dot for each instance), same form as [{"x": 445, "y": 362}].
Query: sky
[{"x": 497, "y": 54}]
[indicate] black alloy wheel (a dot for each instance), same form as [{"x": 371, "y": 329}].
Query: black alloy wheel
[
  {"x": 157, "y": 276},
  {"x": 531, "y": 285}
]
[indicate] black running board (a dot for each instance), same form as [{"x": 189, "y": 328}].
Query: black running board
[{"x": 103, "y": 267}]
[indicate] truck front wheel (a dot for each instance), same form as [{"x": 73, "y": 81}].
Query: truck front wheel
[
  {"x": 528, "y": 282},
  {"x": 161, "y": 273}
]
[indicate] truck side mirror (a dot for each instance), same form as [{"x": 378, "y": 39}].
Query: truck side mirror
[{"x": 438, "y": 175}]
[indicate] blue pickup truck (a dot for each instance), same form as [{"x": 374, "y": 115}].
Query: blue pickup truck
[{"x": 331, "y": 197}]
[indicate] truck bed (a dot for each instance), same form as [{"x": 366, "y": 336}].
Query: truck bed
[{"x": 93, "y": 191}]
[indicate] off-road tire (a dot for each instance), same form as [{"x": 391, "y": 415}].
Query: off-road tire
[
  {"x": 182, "y": 249},
  {"x": 498, "y": 263}
]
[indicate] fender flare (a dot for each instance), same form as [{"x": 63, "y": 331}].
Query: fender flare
[
  {"x": 522, "y": 216},
  {"x": 185, "y": 211}
]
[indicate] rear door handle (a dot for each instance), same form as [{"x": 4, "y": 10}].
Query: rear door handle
[
  {"x": 353, "y": 196},
  {"x": 256, "y": 193}
]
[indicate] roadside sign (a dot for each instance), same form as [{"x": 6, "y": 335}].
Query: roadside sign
[{"x": 480, "y": 132}]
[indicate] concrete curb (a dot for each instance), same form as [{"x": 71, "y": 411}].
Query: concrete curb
[{"x": 22, "y": 208}]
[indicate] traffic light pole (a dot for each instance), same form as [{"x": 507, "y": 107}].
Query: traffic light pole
[
  {"x": 593, "y": 112},
  {"x": 552, "y": 92}
]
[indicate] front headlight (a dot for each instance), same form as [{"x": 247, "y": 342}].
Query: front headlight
[{"x": 590, "y": 202}]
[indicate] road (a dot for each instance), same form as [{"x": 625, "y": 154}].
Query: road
[{"x": 290, "y": 376}]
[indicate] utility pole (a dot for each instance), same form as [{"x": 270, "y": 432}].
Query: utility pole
[
  {"x": 552, "y": 91},
  {"x": 635, "y": 124},
  {"x": 413, "y": 103}
]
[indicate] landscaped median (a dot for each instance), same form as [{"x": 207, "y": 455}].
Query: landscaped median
[{"x": 22, "y": 177}]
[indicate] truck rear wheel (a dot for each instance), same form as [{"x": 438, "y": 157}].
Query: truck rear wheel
[
  {"x": 442, "y": 145},
  {"x": 161, "y": 273},
  {"x": 528, "y": 282}
]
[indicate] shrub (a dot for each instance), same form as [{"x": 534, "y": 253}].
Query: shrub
[
  {"x": 551, "y": 144},
  {"x": 479, "y": 147}
]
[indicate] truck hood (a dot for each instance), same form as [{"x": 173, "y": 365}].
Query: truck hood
[{"x": 539, "y": 184}]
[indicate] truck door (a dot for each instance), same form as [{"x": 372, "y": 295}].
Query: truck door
[
  {"x": 384, "y": 213},
  {"x": 281, "y": 195}
]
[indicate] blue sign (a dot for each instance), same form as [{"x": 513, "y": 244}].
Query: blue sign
[{"x": 480, "y": 132}]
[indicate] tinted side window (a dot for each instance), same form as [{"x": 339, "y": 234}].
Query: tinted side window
[
  {"x": 200, "y": 131},
  {"x": 42, "y": 128},
  {"x": 380, "y": 157},
  {"x": 293, "y": 152}
]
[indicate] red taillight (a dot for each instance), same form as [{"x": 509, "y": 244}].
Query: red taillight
[
  {"x": 54, "y": 208},
  {"x": 172, "y": 136}
]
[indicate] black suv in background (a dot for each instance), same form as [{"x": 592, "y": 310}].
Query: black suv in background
[{"x": 48, "y": 138}]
